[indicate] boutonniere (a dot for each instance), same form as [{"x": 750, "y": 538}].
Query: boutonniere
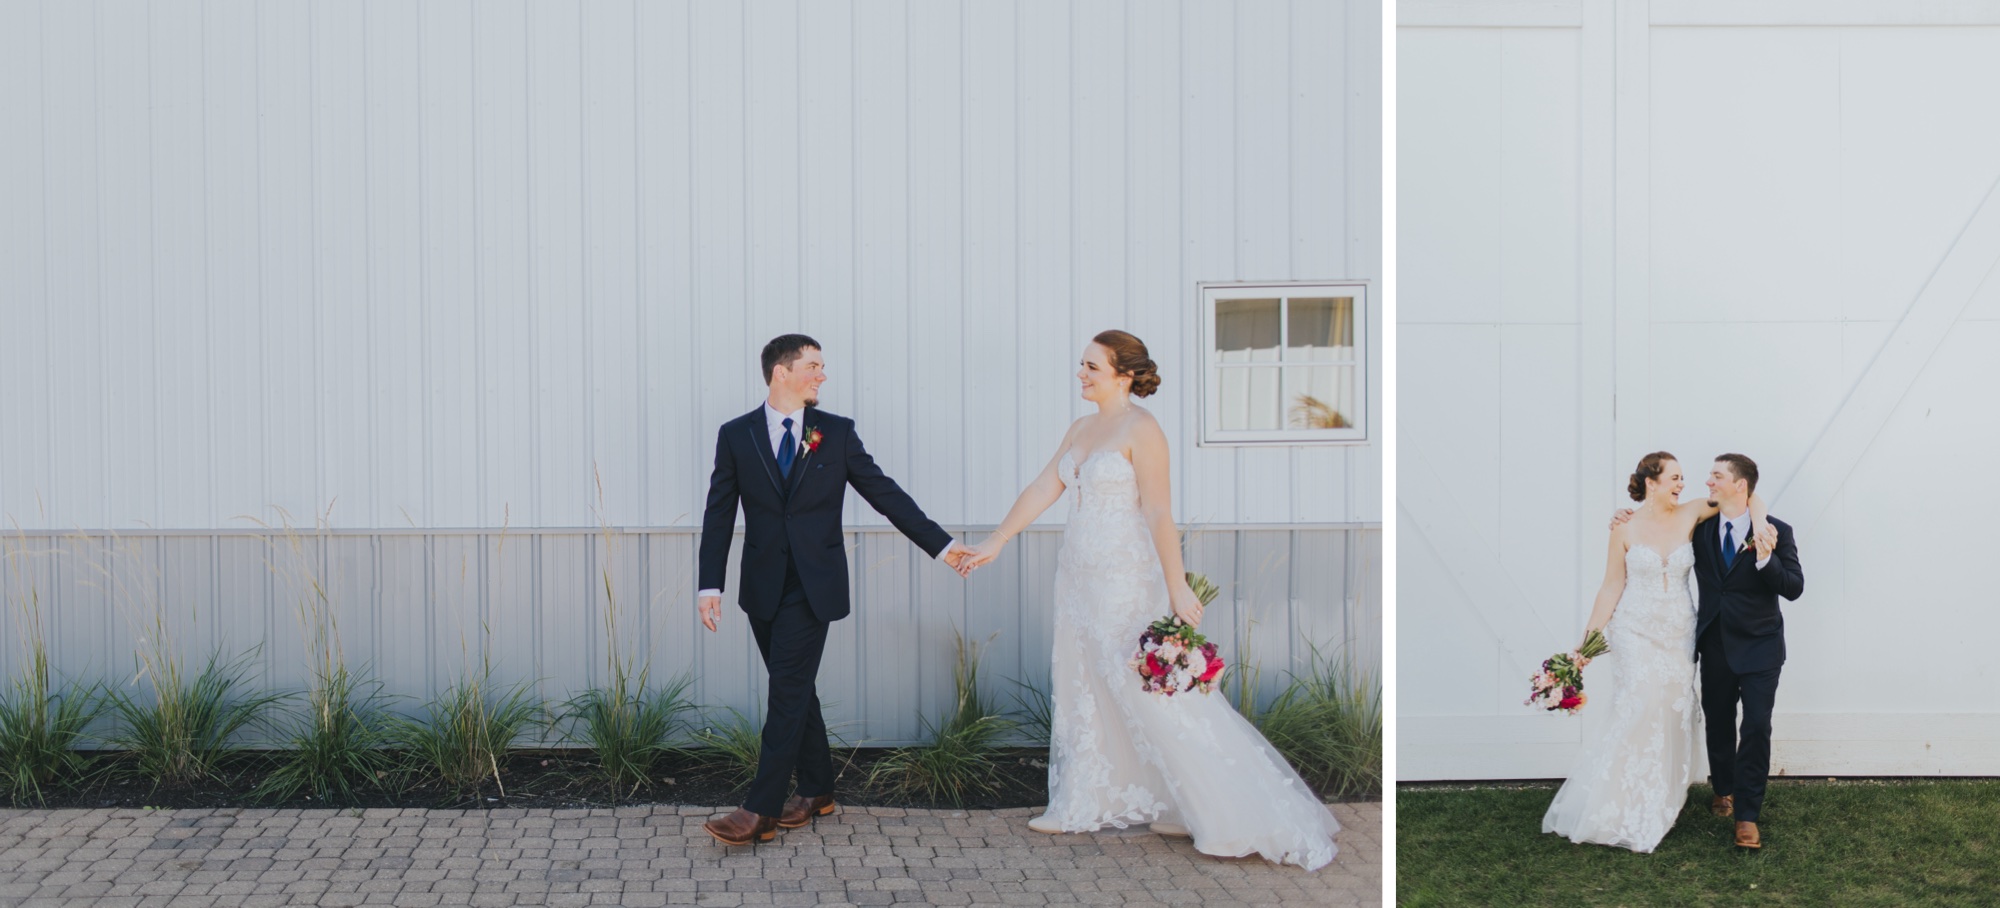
[{"x": 812, "y": 439}]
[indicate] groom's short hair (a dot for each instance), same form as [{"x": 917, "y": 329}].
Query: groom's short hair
[
  {"x": 1743, "y": 467},
  {"x": 784, "y": 350}
]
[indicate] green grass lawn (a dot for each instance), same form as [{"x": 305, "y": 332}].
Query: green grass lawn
[{"x": 1859, "y": 842}]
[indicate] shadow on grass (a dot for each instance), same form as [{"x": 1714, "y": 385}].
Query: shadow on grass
[{"x": 1849, "y": 842}]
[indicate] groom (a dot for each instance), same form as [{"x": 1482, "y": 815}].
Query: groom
[
  {"x": 1740, "y": 639},
  {"x": 789, "y": 464}
]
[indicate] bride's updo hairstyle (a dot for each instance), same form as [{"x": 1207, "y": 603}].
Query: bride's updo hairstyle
[
  {"x": 1128, "y": 356},
  {"x": 1650, "y": 467}
]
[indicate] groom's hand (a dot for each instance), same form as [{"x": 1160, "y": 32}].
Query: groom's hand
[
  {"x": 1620, "y": 516},
  {"x": 710, "y": 608},
  {"x": 1767, "y": 542},
  {"x": 955, "y": 553}
]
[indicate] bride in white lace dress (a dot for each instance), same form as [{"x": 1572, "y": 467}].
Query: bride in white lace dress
[
  {"x": 1118, "y": 756},
  {"x": 1629, "y": 783}
]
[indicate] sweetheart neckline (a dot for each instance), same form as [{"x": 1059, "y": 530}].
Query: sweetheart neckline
[
  {"x": 1668, "y": 557},
  {"x": 1076, "y": 472}
]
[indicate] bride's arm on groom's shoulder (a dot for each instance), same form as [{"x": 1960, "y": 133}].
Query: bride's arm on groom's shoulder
[
  {"x": 1150, "y": 462},
  {"x": 1613, "y": 585},
  {"x": 1045, "y": 490}
]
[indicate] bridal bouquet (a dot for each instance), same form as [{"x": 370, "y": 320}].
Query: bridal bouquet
[
  {"x": 1172, "y": 658},
  {"x": 1559, "y": 685}
]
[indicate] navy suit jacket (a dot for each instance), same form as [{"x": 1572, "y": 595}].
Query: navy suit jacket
[
  {"x": 796, "y": 519},
  {"x": 1742, "y": 600}
]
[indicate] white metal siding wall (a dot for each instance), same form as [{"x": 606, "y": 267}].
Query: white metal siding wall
[
  {"x": 1760, "y": 227},
  {"x": 441, "y": 262}
]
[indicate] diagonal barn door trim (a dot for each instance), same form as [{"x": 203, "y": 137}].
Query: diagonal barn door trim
[
  {"x": 1472, "y": 563},
  {"x": 1881, "y": 388}
]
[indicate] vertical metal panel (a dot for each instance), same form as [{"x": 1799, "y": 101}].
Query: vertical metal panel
[
  {"x": 403, "y": 613},
  {"x": 129, "y": 409},
  {"x": 770, "y": 64},
  {"x": 179, "y": 270},
  {"x": 1261, "y": 138},
  {"x": 284, "y": 253},
  {"x": 1100, "y": 155},
  {"x": 879, "y": 396},
  {"x": 1047, "y": 339},
  {"x": 344, "y": 333},
  {"x": 889, "y": 633},
  {"x": 243, "y": 610},
  {"x": 610, "y": 258},
  {"x": 455, "y": 614},
  {"x": 1265, "y": 619},
  {"x": 237, "y": 456},
  {"x": 939, "y": 416},
  {"x": 70, "y": 95},
  {"x": 395, "y": 263},
  {"x": 566, "y": 616},
  {"x": 505, "y": 307},
  {"x": 563, "y": 493},
  {"x": 507, "y": 641},
  {"x": 993, "y": 464},
  {"x": 829, "y": 281},
  {"x": 350, "y": 579},
  {"x": 675, "y": 447},
  {"x": 1156, "y": 306},
  {"x": 726, "y": 373},
  {"x": 24, "y": 355},
  {"x": 1208, "y": 228},
  {"x": 450, "y": 221}
]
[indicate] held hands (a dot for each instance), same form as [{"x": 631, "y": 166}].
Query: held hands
[
  {"x": 955, "y": 555},
  {"x": 710, "y": 609},
  {"x": 977, "y": 557}
]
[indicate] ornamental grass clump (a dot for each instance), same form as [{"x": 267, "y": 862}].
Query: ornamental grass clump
[
  {"x": 469, "y": 730},
  {"x": 336, "y": 744},
  {"x": 176, "y": 729},
  {"x": 961, "y": 758},
  {"x": 41, "y": 727},
  {"x": 1328, "y": 724},
  {"x": 630, "y": 724}
]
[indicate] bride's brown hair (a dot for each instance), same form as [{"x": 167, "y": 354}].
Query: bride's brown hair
[
  {"x": 1129, "y": 357},
  {"x": 1650, "y": 467}
]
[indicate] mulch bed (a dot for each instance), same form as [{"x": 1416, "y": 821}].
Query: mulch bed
[{"x": 553, "y": 779}]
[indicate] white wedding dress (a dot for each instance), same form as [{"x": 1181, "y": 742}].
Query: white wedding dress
[
  {"x": 1121, "y": 756},
  {"x": 1630, "y": 782}
]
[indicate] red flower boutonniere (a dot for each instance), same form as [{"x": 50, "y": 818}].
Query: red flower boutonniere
[{"x": 812, "y": 439}]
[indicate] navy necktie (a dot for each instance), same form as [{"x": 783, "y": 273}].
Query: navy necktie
[
  {"x": 1728, "y": 545},
  {"x": 787, "y": 450}
]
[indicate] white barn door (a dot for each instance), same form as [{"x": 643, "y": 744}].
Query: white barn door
[{"x": 1765, "y": 227}]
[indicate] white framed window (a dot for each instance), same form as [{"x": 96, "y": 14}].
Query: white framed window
[{"x": 1284, "y": 363}]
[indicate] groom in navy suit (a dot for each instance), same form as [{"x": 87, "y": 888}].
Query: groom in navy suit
[
  {"x": 789, "y": 464},
  {"x": 1740, "y": 639}
]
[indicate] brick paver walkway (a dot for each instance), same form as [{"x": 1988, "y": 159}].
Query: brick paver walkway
[{"x": 636, "y": 856}]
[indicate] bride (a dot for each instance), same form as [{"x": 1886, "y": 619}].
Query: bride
[
  {"x": 1629, "y": 783},
  {"x": 1187, "y": 764}
]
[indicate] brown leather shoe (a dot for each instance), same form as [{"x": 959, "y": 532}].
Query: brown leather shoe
[
  {"x": 800, "y": 811},
  {"x": 1723, "y": 806},
  {"x": 1746, "y": 835},
  {"x": 742, "y": 828}
]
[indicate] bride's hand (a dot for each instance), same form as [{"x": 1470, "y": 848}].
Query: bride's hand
[
  {"x": 1187, "y": 606},
  {"x": 987, "y": 550}
]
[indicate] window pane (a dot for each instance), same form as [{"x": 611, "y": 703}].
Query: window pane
[
  {"x": 1321, "y": 330},
  {"x": 1320, "y": 397},
  {"x": 1250, "y": 398},
  {"x": 1246, "y": 331}
]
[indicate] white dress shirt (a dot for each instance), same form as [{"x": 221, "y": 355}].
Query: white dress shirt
[
  {"x": 1737, "y": 527},
  {"x": 774, "y": 422}
]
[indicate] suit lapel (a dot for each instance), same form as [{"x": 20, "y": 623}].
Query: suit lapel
[
  {"x": 810, "y": 421},
  {"x": 760, "y": 441}
]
